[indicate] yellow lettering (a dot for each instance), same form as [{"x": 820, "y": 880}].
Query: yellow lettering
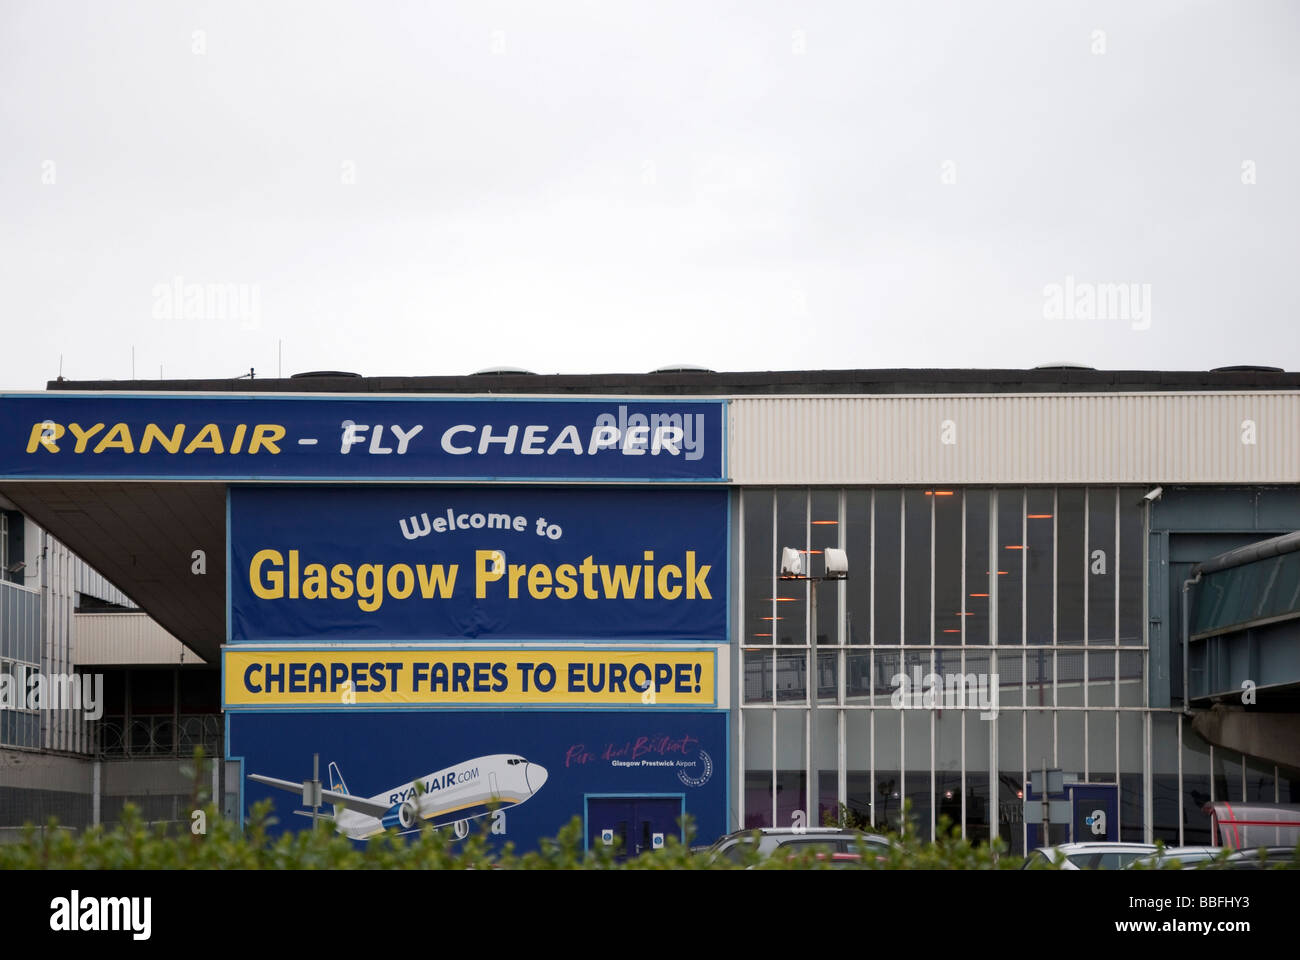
[
  {"x": 152, "y": 433},
  {"x": 370, "y": 586},
  {"x": 341, "y": 574},
  {"x": 539, "y": 581},
  {"x": 44, "y": 435},
  {"x": 83, "y": 435},
  {"x": 695, "y": 578},
  {"x": 209, "y": 438},
  {"x": 433, "y": 579},
  {"x": 620, "y": 582},
  {"x": 266, "y": 435},
  {"x": 119, "y": 436},
  {"x": 566, "y": 580},
  {"x": 665, "y": 591},
  {"x": 517, "y": 571},
  {"x": 274, "y": 579},
  {"x": 396, "y": 572},
  {"x": 314, "y": 585},
  {"x": 489, "y": 565}
]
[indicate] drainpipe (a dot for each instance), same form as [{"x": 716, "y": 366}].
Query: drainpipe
[{"x": 1187, "y": 632}]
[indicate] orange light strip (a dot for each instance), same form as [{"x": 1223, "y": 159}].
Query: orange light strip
[
  {"x": 782, "y": 599},
  {"x": 979, "y": 594},
  {"x": 1038, "y": 516},
  {"x": 952, "y": 631},
  {"x": 1015, "y": 546},
  {"x": 771, "y": 618},
  {"x": 939, "y": 493},
  {"x": 824, "y": 523}
]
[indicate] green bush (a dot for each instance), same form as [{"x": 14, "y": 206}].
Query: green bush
[{"x": 132, "y": 845}]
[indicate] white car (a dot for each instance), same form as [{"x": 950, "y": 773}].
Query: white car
[
  {"x": 1089, "y": 856},
  {"x": 1187, "y": 857},
  {"x": 829, "y": 841}
]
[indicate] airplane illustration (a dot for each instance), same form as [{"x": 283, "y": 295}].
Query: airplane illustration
[{"x": 454, "y": 795}]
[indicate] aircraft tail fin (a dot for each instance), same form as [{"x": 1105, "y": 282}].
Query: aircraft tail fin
[{"x": 337, "y": 783}]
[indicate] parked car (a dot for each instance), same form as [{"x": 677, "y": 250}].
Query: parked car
[
  {"x": 1089, "y": 856},
  {"x": 1187, "y": 857},
  {"x": 1260, "y": 858},
  {"x": 736, "y": 847}
]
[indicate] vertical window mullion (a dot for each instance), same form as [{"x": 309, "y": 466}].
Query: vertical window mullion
[
  {"x": 841, "y": 661},
  {"x": 1086, "y": 533},
  {"x": 772, "y": 562},
  {"x": 871, "y": 662},
  {"x": 962, "y": 661},
  {"x": 811, "y": 675},
  {"x": 1115, "y": 568},
  {"x": 902, "y": 652},
  {"x": 934, "y": 518}
]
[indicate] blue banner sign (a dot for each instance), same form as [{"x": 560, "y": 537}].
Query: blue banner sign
[
  {"x": 513, "y": 777},
  {"x": 105, "y": 436},
  {"x": 490, "y": 563}
]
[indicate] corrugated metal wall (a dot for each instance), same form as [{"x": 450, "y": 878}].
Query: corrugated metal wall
[
  {"x": 1108, "y": 438},
  {"x": 61, "y": 729},
  {"x": 125, "y": 638},
  {"x": 56, "y": 576}
]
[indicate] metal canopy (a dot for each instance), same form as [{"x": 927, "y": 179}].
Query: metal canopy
[{"x": 142, "y": 536}]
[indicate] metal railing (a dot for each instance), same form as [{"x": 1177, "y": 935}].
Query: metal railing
[{"x": 158, "y": 736}]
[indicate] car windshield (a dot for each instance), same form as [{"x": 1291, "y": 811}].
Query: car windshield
[
  {"x": 1037, "y": 859},
  {"x": 1105, "y": 859},
  {"x": 874, "y": 846},
  {"x": 738, "y": 851}
]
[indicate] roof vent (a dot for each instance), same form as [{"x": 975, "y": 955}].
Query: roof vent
[
  {"x": 682, "y": 368},
  {"x": 504, "y": 371},
  {"x": 1246, "y": 368},
  {"x": 314, "y": 374},
  {"x": 1063, "y": 365}
]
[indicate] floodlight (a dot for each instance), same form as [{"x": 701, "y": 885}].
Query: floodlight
[{"x": 837, "y": 564}]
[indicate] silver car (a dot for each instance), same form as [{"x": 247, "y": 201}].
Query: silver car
[
  {"x": 1187, "y": 858},
  {"x": 1088, "y": 856},
  {"x": 736, "y": 847}
]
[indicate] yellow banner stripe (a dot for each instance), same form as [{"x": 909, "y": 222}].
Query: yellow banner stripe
[{"x": 333, "y": 678}]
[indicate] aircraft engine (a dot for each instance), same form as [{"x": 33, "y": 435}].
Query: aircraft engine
[{"x": 408, "y": 815}]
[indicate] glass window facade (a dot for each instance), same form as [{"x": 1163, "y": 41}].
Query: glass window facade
[
  {"x": 20, "y": 658},
  {"x": 981, "y": 633}
]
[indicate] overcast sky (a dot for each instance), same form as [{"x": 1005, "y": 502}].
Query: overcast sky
[{"x": 435, "y": 188}]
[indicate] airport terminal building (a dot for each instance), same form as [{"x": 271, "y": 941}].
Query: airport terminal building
[{"x": 759, "y": 599}]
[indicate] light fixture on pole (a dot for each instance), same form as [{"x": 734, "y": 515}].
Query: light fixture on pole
[{"x": 794, "y": 566}]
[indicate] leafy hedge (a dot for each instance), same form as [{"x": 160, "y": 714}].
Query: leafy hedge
[
  {"x": 132, "y": 844},
  {"x": 224, "y": 844}
]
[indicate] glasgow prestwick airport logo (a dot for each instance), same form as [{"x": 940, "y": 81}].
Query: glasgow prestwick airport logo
[{"x": 699, "y": 777}]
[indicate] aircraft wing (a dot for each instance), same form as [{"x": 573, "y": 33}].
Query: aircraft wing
[{"x": 360, "y": 804}]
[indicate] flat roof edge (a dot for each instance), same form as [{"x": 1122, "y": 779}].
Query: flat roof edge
[{"x": 864, "y": 382}]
